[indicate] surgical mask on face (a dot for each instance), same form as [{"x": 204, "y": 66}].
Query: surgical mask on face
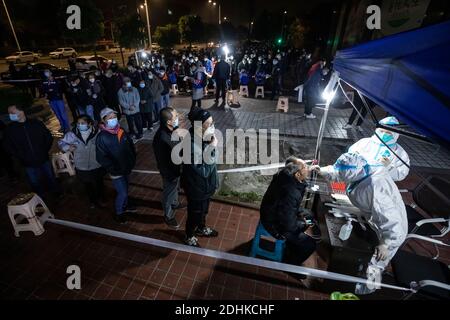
[
  {"x": 83, "y": 127},
  {"x": 94, "y": 96},
  {"x": 112, "y": 123},
  {"x": 142, "y": 85},
  {"x": 176, "y": 123},
  {"x": 210, "y": 131},
  {"x": 91, "y": 80},
  {"x": 150, "y": 76},
  {"x": 386, "y": 137},
  {"x": 108, "y": 75},
  {"x": 47, "y": 74},
  {"x": 128, "y": 84},
  {"x": 275, "y": 62},
  {"x": 13, "y": 117}
]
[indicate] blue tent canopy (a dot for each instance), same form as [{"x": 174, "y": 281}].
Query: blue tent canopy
[{"x": 407, "y": 74}]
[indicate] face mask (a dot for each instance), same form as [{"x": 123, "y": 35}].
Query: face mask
[
  {"x": 386, "y": 137},
  {"x": 150, "y": 77},
  {"x": 74, "y": 84},
  {"x": 142, "y": 85},
  {"x": 83, "y": 127},
  {"x": 128, "y": 84},
  {"x": 112, "y": 123},
  {"x": 47, "y": 74},
  {"x": 108, "y": 75},
  {"x": 94, "y": 96},
  {"x": 97, "y": 74},
  {"x": 91, "y": 80},
  {"x": 13, "y": 117},
  {"x": 210, "y": 131},
  {"x": 176, "y": 123}
]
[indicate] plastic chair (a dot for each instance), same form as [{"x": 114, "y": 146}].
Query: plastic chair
[
  {"x": 25, "y": 206},
  {"x": 243, "y": 91},
  {"x": 276, "y": 255},
  {"x": 63, "y": 163},
  {"x": 259, "y": 92},
  {"x": 232, "y": 97},
  {"x": 283, "y": 104},
  {"x": 174, "y": 90}
]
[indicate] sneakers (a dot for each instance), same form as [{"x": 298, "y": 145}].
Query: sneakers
[
  {"x": 120, "y": 218},
  {"x": 310, "y": 116},
  {"x": 347, "y": 127},
  {"x": 207, "y": 232},
  {"x": 172, "y": 223},
  {"x": 193, "y": 242}
]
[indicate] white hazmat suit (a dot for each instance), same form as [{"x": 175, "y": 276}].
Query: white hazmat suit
[
  {"x": 379, "y": 156},
  {"x": 376, "y": 195}
]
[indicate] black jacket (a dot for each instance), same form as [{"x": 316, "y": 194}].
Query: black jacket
[
  {"x": 29, "y": 142},
  {"x": 222, "y": 71},
  {"x": 200, "y": 181},
  {"x": 118, "y": 158},
  {"x": 162, "y": 147},
  {"x": 281, "y": 205}
]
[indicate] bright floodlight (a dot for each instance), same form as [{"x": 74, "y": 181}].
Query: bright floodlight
[
  {"x": 328, "y": 95},
  {"x": 144, "y": 55},
  {"x": 226, "y": 50}
]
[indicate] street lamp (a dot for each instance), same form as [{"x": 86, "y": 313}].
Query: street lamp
[
  {"x": 282, "y": 25},
  {"x": 220, "y": 9},
  {"x": 12, "y": 27},
  {"x": 145, "y": 5}
]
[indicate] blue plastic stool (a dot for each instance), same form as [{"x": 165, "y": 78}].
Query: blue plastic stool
[{"x": 276, "y": 255}]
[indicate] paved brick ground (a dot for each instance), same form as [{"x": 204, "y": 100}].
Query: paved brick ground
[{"x": 34, "y": 267}]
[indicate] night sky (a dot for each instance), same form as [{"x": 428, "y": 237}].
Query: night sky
[{"x": 239, "y": 12}]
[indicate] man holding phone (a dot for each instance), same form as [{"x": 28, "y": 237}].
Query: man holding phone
[{"x": 280, "y": 210}]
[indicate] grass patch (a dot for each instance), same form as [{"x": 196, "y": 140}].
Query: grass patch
[{"x": 249, "y": 197}]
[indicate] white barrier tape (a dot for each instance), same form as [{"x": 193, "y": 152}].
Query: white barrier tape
[
  {"x": 226, "y": 256},
  {"x": 237, "y": 170}
]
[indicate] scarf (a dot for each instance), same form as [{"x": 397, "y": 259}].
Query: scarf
[{"x": 116, "y": 131}]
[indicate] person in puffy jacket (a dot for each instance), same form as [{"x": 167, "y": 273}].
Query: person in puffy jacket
[
  {"x": 116, "y": 153},
  {"x": 82, "y": 142}
]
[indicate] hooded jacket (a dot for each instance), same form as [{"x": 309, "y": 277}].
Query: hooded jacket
[{"x": 375, "y": 194}]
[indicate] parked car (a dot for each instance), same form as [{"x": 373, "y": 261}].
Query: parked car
[
  {"x": 37, "y": 72},
  {"x": 116, "y": 49},
  {"x": 22, "y": 56},
  {"x": 63, "y": 52},
  {"x": 85, "y": 63}
]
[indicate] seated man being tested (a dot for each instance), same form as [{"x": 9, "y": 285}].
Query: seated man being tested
[{"x": 280, "y": 210}]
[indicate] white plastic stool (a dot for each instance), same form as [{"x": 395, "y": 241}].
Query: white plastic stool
[
  {"x": 63, "y": 163},
  {"x": 27, "y": 206},
  {"x": 283, "y": 104},
  {"x": 174, "y": 90},
  {"x": 232, "y": 97},
  {"x": 243, "y": 91},
  {"x": 259, "y": 92}
]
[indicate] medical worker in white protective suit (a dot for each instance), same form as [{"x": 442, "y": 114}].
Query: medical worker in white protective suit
[
  {"x": 378, "y": 155},
  {"x": 376, "y": 195}
]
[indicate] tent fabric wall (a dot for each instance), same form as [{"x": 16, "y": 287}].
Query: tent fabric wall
[{"x": 407, "y": 74}]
